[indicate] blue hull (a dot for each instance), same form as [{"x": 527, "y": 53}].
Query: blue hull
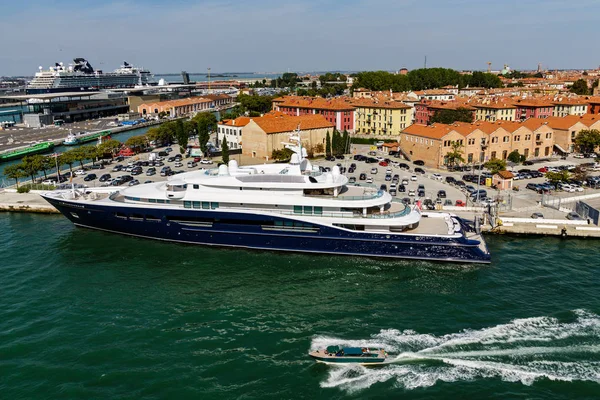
[{"x": 218, "y": 228}]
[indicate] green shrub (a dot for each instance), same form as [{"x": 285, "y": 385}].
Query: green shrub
[{"x": 23, "y": 189}]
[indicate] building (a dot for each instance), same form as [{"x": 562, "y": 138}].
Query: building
[
  {"x": 435, "y": 94},
  {"x": 566, "y": 129},
  {"x": 219, "y": 100},
  {"x": 503, "y": 180},
  {"x": 426, "y": 109},
  {"x": 593, "y": 105},
  {"x": 177, "y": 108},
  {"x": 231, "y": 130},
  {"x": 338, "y": 111},
  {"x": 533, "y": 108},
  {"x": 381, "y": 117},
  {"x": 495, "y": 110},
  {"x": 569, "y": 106},
  {"x": 479, "y": 141},
  {"x": 271, "y": 132}
]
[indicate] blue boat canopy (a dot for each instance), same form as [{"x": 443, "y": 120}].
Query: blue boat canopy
[{"x": 353, "y": 351}]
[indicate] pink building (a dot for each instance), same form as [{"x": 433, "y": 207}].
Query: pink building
[
  {"x": 533, "y": 108},
  {"x": 337, "y": 111}
]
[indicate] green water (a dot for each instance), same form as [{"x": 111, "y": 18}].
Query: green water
[{"x": 92, "y": 315}]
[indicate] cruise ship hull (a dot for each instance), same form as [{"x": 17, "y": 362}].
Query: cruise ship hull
[{"x": 266, "y": 232}]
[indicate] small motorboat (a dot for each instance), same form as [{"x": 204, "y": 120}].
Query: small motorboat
[{"x": 350, "y": 355}]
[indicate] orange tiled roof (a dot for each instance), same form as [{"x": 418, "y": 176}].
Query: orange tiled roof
[
  {"x": 505, "y": 174},
  {"x": 284, "y": 123},
  {"x": 239, "y": 121},
  {"x": 435, "y": 131},
  {"x": 563, "y": 123},
  {"x": 341, "y": 103}
]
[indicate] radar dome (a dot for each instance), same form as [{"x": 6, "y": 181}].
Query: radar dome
[
  {"x": 233, "y": 165},
  {"x": 335, "y": 171},
  {"x": 223, "y": 170},
  {"x": 295, "y": 159}
]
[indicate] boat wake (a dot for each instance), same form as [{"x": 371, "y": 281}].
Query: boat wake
[{"x": 523, "y": 350}]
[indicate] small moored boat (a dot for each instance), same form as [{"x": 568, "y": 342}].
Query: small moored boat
[{"x": 350, "y": 355}]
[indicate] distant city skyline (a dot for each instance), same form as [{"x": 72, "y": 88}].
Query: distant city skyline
[{"x": 277, "y": 36}]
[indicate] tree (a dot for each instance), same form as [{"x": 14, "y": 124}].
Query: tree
[
  {"x": 555, "y": 177},
  {"x": 225, "y": 150},
  {"x": 282, "y": 155},
  {"x": 67, "y": 158},
  {"x": 580, "y": 173},
  {"x": 580, "y": 87},
  {"x": 109, "y": 147},
  {"x": 454, "y": 156},
  {"x": 328, "y": 145},
  {"x": 31, "y": 165},
  {"x": 15, "y": 172},
  {"x": 495, "y": 165},
  {"x": 461, "y": 114},
  {"x": 346, "y": 142},
  {"x": 587, "y": 140},
  {"x": 514, "y": 156},
  {"x": 181, "y": 135},
  {"x": 256, "y": 103},
  {"x": 205, "y": 123},
  {"x": 136, "y": 143}
]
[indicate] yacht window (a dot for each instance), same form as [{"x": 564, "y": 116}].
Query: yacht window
[
  {"x": 308, "y": 210},
  {"x": 205, "y": 205},
  {"x": 151, "y": 200},
  {"x": 297, "y": 209},
  {"x": 187, "y": 204},
  {"x": 214, "y": 205},
  {"x": 196, "y": 204},
  {"x": 318, "y": 210},
  {"x": 160, "y": 201},
  {"x": 196, "y": 186}
]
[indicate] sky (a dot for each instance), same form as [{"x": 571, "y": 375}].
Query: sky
[{"x": 304, "y": 35}]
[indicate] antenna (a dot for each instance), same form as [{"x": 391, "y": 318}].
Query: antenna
[{"x": 425, "y": 64}]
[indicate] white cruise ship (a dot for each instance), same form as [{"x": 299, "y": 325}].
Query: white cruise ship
[
  {"x": 282, "y": 207},
  {"x": 80, "y": 76}
]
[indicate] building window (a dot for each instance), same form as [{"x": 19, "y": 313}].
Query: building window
[
  {"x": 493, "y": 154},
  {"x": 495, "y": 139}
]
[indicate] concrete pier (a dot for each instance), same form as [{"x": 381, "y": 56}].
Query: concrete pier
[{"x": 10, "y": 201}]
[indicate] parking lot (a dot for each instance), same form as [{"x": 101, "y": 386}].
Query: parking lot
[
  {"x": 129, "y": 171},
  {"x": 408, "y": 179}
]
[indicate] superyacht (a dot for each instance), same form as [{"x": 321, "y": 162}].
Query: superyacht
[{"x": 293, "y": 207}]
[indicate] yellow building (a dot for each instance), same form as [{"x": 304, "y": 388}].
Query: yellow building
[
  {"x": 492, "y": 111},
  {"x": 381, "y": 117}
]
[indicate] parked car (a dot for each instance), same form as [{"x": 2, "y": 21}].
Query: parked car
[
  {"x": 80, "y": 172},
  {"x": 450, "y": 180},
  {"x": 436, "y": 177},
  {"x": 362, "y": 176},
  {"x": 90, "y": 177},
  {"x": 50, "y": 181},
  {"x": 441, "y": 194},
  {"x": 373, "y": 170},
  {"x": 460, "y": 203},
  {"x": 537, "y": 215},
  {"x": 413, "y": 178},
  {"x": 419, "y": 162},
  {"x": 393, "y": 192},
  {"x": 151, "y": 171},
  {"x": 165, "y": 171},
  {"x": 383, "y": 163},
  {"x": 383, "y": 187},
  {"x": 192, "y": 164},
  {"x": 404, "y": 181},
  {"x": 388, "y": 177},
  {"x": 352, "y": 179},
  {"x": 206, "y": 161},
  {"x": 369, "y": 180},
  {"x": 104, "y": 178},
  {"x": 419, "y": 170},
  {"x": 411, "y": 192},
  {"x": 117, "y": 168},
  {"x": 134, "y": 182},
  {"x": 574, "y": 216}
]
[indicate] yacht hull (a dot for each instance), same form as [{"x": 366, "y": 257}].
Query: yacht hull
[{"x": 265, "y": 232}]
